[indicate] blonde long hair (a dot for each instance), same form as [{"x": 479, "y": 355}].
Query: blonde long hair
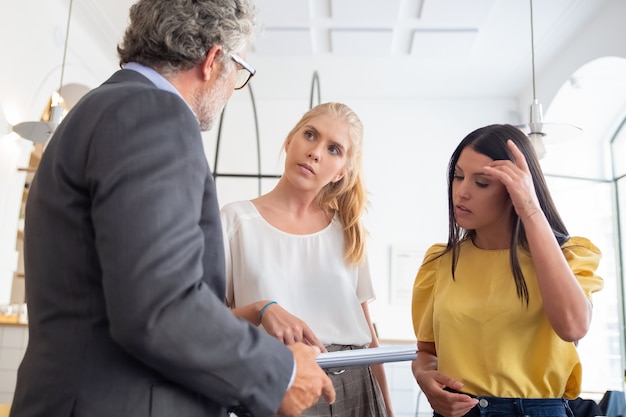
[{"x": 348, "y": 196}]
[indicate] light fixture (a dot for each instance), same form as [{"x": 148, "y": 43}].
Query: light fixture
[
  {"x": 535, "y": 128},
  {"x": 41, "y": 131}
]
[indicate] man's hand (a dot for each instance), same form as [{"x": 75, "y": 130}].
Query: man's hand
[{"x": 309, "y": 383}]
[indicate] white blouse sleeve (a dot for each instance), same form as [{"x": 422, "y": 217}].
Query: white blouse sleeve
[{"x": 365, "y": 289}]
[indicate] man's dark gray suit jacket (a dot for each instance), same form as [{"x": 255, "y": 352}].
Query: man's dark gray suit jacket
[{"x": 125, "y": 274}]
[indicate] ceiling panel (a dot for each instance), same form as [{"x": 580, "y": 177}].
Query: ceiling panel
[
  {"x": 281, "y": 13},
  {"x": 449, "y": 13},
  {"x": 284, "y": 42},
  {"x": 371, "y": 12},
  {"x": 361, "y": 42},
  {"x": 438, "y": 44}
]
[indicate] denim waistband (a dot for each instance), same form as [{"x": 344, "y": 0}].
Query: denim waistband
[
  {"x": 535, "y": 407},
  {"x": 485, "y": 401},
  {"x": 525, "y": 406}
]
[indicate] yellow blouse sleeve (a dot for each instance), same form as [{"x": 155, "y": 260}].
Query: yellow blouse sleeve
[
  {"x": 583, "y": 258},
  {"x": 423, "y": 289}
]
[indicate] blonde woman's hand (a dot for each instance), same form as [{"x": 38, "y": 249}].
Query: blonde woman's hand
[
  {"x": 516, "y": 177},
  {"x": 288, "y": 328}
]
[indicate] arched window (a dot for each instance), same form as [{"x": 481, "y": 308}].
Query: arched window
[{"x": 585, "y": 171}]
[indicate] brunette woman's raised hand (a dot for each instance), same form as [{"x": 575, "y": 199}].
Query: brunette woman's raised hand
[{"x": 516, "y": 177}]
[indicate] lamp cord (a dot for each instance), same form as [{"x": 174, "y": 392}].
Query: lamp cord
[
  {"x": 532, "y": 48},
  {"x": 67, "y": 37}
]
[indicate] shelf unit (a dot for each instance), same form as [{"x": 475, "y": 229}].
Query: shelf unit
[{"x": 17, "y": 290}]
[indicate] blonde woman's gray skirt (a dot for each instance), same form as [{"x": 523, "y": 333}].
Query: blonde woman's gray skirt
[{"x": 358, "y": 392}]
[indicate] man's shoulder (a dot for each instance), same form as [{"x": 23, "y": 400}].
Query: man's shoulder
[{"x": 121, "y": 85}]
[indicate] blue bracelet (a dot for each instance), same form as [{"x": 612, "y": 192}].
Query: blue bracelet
[{"x": 263, "y": 309}]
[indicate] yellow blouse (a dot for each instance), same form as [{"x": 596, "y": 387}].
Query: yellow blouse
[{"x": 485, "y": 335}]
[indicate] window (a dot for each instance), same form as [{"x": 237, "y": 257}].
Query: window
[{"x": 587, "y": 188}]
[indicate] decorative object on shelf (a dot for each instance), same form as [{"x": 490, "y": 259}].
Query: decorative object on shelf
[
  {"x": 13, "y": 313},
  {"x": 535, "y": 128},
  {"x": 40, "y": 132}
]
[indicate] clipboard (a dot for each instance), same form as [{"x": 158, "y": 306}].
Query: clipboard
[{"x": 381, "y": 354}]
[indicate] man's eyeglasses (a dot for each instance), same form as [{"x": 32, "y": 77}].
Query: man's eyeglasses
[{"x": 244, "y": 73}]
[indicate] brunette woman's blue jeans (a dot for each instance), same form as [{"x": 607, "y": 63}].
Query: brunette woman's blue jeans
[{"x": 519, "y": 407}]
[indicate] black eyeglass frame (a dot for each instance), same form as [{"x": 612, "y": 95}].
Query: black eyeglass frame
[{"x": 245, "y": 66}]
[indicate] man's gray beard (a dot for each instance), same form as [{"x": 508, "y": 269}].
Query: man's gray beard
[
  {"x": 208, "y": 106},
  {"x": 206, "y": 125}
]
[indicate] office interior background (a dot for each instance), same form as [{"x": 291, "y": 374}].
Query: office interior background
[{"x": 421, "y": 74}]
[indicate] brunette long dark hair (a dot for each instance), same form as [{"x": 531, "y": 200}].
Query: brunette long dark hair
[{"x": 491, "y": 141}]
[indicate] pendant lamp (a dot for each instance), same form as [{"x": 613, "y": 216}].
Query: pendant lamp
[
  {"x": 41, "y": 131},
  {"x": 535, "y": 129}
]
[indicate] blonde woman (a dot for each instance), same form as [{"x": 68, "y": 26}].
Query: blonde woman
[{"x": 296, "y": 261}]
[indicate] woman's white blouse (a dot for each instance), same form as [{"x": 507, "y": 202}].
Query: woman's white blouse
[{"x": 305, "y": 274}]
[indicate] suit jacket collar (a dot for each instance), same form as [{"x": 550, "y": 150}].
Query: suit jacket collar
[{"x": 131, "y": 75}]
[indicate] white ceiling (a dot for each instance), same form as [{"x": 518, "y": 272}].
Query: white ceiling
[
  {"x": 428, "y": 29},
  {"x": 390, "y": 48}
]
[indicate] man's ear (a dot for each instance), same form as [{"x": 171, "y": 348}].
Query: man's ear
[{"x": 211, "y": 63}]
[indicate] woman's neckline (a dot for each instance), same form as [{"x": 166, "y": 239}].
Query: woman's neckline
[{"x": 272, "y": 226}]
